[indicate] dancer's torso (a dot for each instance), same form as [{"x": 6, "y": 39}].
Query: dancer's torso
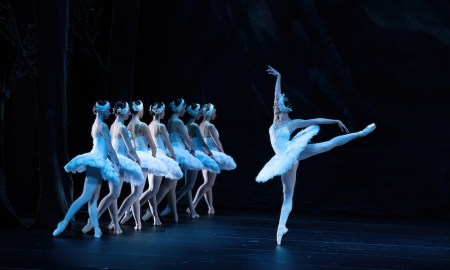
[{"x": 279, "y": 137}]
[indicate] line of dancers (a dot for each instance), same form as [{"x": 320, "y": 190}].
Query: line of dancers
[{"x": 136, "y": 152}]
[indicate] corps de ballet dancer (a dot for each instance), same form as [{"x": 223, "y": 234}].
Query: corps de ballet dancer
[
  {"x": 142, "y": 138},
  {"x": 130, "y": 166},
  {"x": 226, "y": 162},
  {"x": 202, "y": 152},
  {"x": 100, "y": 163},
  {"x": 166, "y": 154},
  {"x": 289, "y": 152},
  {"x": 180, "y": 140}
]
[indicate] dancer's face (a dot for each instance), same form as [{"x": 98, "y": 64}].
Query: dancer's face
[
  {"x": 161, "y": 115},
  {"x": 213, "y": 115},
  {"x": 141, "y": 114}
]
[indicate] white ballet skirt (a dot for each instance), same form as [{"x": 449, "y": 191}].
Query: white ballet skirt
[
  {"x": 148, "y": 162},
  {"x": 174, "y": 171},
  {"x": 208, "y": 163},
  {"x": 184, "y": 158},
  {"x": 225, "y": 161},
  {"x": 97, "y": 158},
  {"x": 286, "y": 151},
  {"x": 129, "y": 170}
]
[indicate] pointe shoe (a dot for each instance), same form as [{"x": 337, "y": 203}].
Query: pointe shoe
[
  {"x": 147, "y": 215},
  {"x": 97, "y": 232},
  {"x": 280, "y": 232},
  {"x": 188, "y": 210},
  {"x": 367, "y": 130},
  {"x": 194, "y": 215},
  {"x": 157, "y": 222},
  {"x": 117, "y": 230},
  {"x": 88, "y": 227},
  {"x": 60, "y": 228},
  {"x": 138, "y": 227},
  {"x": 166, "y": 211},
  {"x": 111, "y": 226},
  {"x": 126, "y": 217},
  {"x": 211, "y": 211}
]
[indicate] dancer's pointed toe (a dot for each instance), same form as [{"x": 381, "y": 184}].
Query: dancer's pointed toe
[
  {"x": 60, "y": 228},
  {"x": 280, "y": 232}
]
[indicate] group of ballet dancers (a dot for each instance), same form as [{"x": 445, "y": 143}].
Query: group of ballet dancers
[
  {"x": 122, "y": 154},
  {"x": 136, "y": 152}
]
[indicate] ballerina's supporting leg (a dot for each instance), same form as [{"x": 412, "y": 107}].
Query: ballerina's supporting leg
[
  {"x": 190, "y": 177},
  {"x": 209, "y": 178},
  {"x": 93, "y": 214},
  {"x": 136, "y": 192},
  {"x": 154, "y": 183},
  {"x": 168, "y": 187},
  {"x": 108, "y": 202},
  {"x": 288, "y": 180},
  {"x": 91, "y": 184},
  {"x": 209, "y": 201}
]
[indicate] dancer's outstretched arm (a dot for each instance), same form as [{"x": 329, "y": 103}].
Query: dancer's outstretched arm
[
  {"x": 148, "y": 136},
  {"x": 104, "y": 130},
  {"x": 123, "y": 131},
  {"x": 273, "y": 72},
  {"x": 300, "y": 123},
  {"x": 215, "y": 135}
]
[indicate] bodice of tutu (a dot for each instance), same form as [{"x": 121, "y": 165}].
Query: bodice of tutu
[
  {"x": 119, "y": 146},
  {"x": 279, "y": 139},
  {"x": 175, "y": 138},
  {"x": 211, "y": 144},
  {"x": 197, "y": 143},
  {"x": 99, "y": 147},
  {"x": 140, "y": 142},
  {"x": 159, "y": 142}
]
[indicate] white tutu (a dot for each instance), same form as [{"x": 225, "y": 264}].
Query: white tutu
[
  {"x": 208, "y": 163},
  {"x": 283, "y": 161},
  {"x": 130, "y": 171},
  {"x": 152, "y": 165},
  {"x": 174, "y": 171},
  {"x": 185, "y": 159},
  {"x": 79, "y": 163},
  {"x": 225, "y": 161}
]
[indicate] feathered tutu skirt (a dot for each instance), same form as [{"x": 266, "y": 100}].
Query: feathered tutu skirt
[
  {"x": 225, "y": 161},
  {"x": 152, "y": 165},
  {"x": 130, "y": 171},
  {"x": 174, "y": 171},
  {"x": 208, "y": 163},
  {"x": 283, "y": 162},
  {"x": 79, "y": 163},
  {"x": 185, "y": 159}
]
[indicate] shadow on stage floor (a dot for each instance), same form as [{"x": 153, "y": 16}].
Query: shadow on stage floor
[{"x": 236, "y": 240}]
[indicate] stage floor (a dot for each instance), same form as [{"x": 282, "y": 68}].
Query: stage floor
[{"x": 236, "y": 240}]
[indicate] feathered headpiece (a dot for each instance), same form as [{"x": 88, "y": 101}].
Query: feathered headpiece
[
  {"x": 178, "y": 108},
  {"x": 281, "y": 105},
  {"x": 138, "y": 108},
  {"x": 158, "y": 110},
  {"x": 194, "y": 112}
]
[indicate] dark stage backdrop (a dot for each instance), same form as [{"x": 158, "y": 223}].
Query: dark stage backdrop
[{"x": 357, "y": 61}]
